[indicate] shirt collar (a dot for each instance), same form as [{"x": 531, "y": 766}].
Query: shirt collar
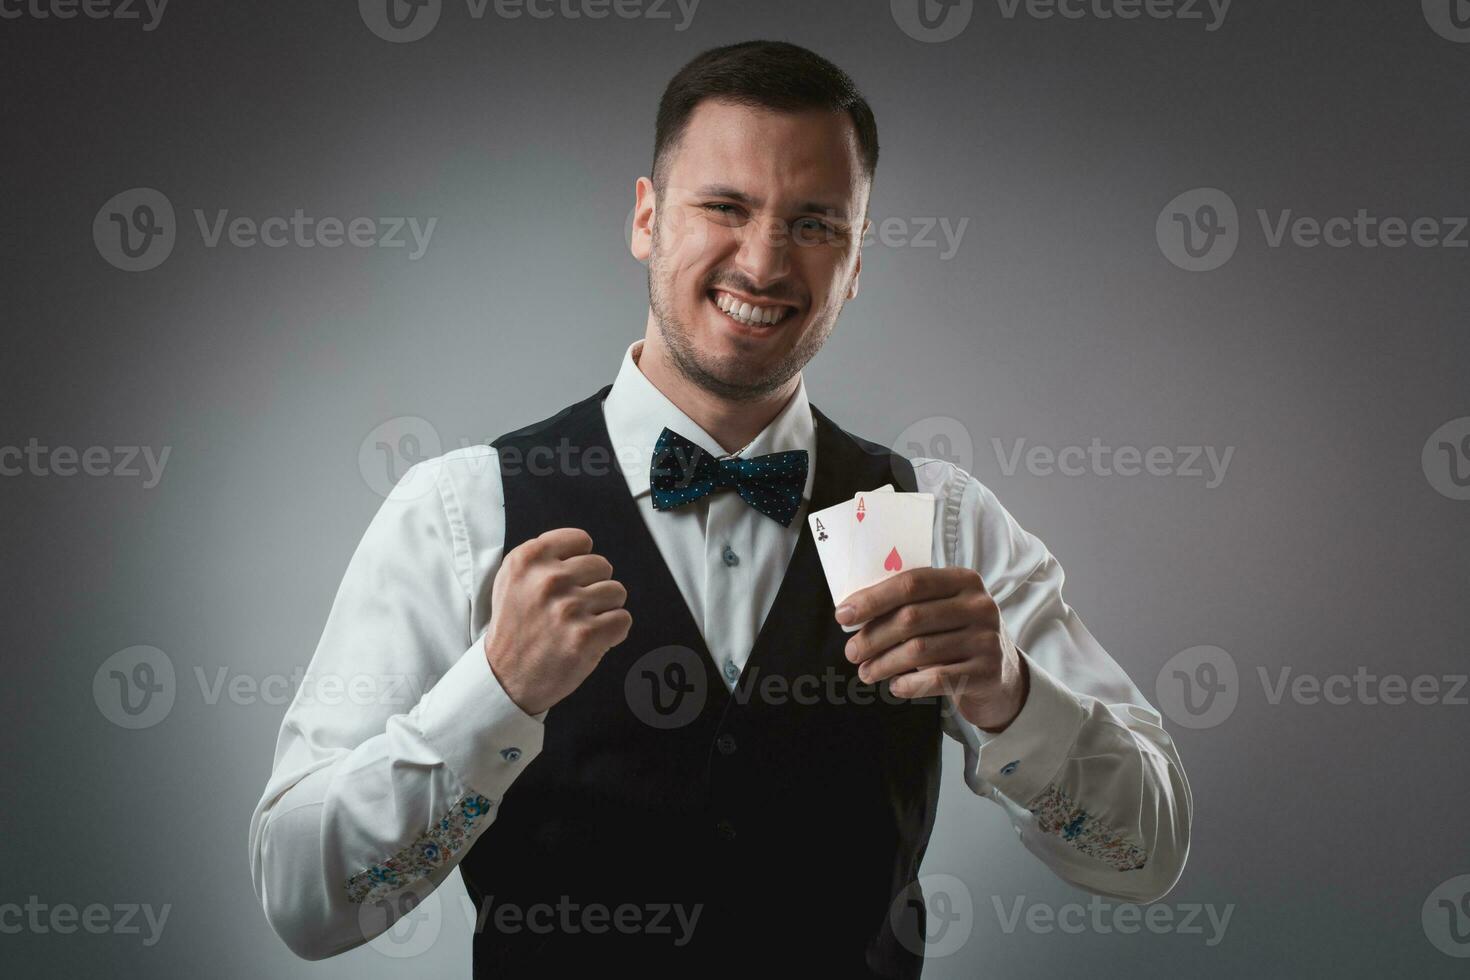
[{"x": 636, "y": 412}]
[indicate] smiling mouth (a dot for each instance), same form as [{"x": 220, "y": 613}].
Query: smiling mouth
[{"x": 748, "y": 314}]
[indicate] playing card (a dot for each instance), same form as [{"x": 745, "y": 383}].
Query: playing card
[
  {"x": 891, "y": 532},
  {"x": 832, "y": 531}
]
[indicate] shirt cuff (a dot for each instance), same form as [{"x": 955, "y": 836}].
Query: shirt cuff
[
  {"x": 1024, "y": 759},
  {"x": 483, "y": 736}
]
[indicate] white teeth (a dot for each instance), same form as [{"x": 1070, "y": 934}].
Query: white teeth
[{"x": 746, "y": 313}]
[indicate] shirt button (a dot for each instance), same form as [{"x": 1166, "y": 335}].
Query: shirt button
[
  {"x": 731, "y": 671},
  {"x": 511, "y": 754},
  {"x": 726, "y": 744},
  {"x": 725, "y": 829},
  {"x": 730, "y": 557}
]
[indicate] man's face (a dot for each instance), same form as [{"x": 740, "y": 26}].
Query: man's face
[{"x": 760, "y": 207}]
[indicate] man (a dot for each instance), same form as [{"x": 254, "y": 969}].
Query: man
[{"x": 605, "y": 755}]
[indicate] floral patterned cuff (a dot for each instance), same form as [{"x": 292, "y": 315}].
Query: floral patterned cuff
[
  {"x": 420, "y": 858},
  {"x": 1056, "y": 813}
]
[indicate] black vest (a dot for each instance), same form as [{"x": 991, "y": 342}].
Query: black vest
[{"x": 790, "y": 815}]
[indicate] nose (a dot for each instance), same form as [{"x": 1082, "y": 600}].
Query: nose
[{"x": 763, "y": 254}]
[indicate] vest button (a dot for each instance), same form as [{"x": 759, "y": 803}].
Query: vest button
[
  {"x": 725, "y": 829},
  {"x": 726, "y": 744}
]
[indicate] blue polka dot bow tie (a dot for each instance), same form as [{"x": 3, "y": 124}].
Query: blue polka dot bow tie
[{"x": 682, "y": 472}]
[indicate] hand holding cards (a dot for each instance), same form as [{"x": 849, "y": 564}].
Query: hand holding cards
[{"x": 873, "y": 536}]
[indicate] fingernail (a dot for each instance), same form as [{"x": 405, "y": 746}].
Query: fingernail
[{"x": 844, "y": 615}]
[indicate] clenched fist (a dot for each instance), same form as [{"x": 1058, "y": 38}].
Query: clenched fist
[{"x": 555, "y": 610}]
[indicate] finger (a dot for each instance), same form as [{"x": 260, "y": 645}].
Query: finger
[
  {"x": 916, "y": 619},
  {"x": 586, "y": 569},
  {"x": 929, "y": 682},
  {"x": 914, "y": 585},
  {"x": 611, "y": 627},
  {"x": 564, "y": 542},
  {"x": 602, "y": 596},
  {"x": 916, "y": 653}
]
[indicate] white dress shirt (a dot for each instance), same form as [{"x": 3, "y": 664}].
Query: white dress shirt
[{"x": 1086, "y": 773}]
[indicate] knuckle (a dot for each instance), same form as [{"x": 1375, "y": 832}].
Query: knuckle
[
  {"x": 546, "y": 587},
  {"x": 578, "y": 634},
  {"x": 908, "y": 587},
  {"x": 563, "y": 608},
  {"x": 907, "y": 618}
]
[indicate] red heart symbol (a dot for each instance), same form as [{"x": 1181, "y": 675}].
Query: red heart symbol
[{"x": 892, "y": 563}]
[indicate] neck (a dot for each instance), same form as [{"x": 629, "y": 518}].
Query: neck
[{"x": 733, "y": 424}]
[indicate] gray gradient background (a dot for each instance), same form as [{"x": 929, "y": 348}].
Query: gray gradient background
[{"x": 1059, "y": 320}]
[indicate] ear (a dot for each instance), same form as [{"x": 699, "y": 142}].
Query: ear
[
  {"x": 641, "y": 240},
  {"x": 857, "y": 269}
]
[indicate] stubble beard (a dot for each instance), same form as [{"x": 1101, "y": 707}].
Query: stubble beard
[{"x": 730, "y": 379}]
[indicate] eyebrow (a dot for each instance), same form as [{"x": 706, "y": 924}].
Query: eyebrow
[{"x": 734, "y": 194}]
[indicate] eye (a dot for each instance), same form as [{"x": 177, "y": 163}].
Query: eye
[{"x": 723, "y": 212}]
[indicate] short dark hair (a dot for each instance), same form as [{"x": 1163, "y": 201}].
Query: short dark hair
[{"x": 761, "y": 74}]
